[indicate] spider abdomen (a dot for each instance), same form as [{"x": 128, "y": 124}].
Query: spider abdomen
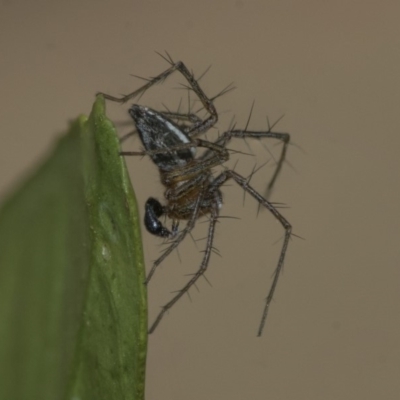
[{"x": 158, "y": 133}]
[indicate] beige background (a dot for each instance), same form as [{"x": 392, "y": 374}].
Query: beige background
[{"x": 333, "y": 69}]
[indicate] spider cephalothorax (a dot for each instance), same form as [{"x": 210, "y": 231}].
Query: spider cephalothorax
[{"x": 191, "y": 189}]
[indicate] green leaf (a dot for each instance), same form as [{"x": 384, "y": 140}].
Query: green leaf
[{"x": 73, "y": 311}]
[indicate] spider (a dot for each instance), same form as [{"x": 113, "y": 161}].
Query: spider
[{"x": 191, "y": 189}]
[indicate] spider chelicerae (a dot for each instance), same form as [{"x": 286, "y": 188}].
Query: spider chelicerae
[{"x": 191, "y": 189}]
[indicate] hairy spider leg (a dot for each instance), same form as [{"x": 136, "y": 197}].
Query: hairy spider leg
[
  {"x": 226, "y": 137},
  {"x": 200, "y": 272},
  {"x": 189, "y": 117},
  {"x": 243, "y": 182},
  {"x": 215, "y": 185},
  {"x": 199, "y": 126},
  {"x": 220, "y": 156}
]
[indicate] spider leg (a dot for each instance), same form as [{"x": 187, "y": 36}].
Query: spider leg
[
  {"x": 188, "y": 117},
  {"x": 243, "y": 182},
  {"x": 127, "y": 136},
  {"x": 199, "y": 126},
  {"x": 200, "y": 272},
  {"x": 219, "y": 156},
  {"x": 285, "y": 138},
  {"x": 224, "y": 139}
]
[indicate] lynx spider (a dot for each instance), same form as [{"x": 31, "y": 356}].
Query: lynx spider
[{"x": 191, "y": 189}]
